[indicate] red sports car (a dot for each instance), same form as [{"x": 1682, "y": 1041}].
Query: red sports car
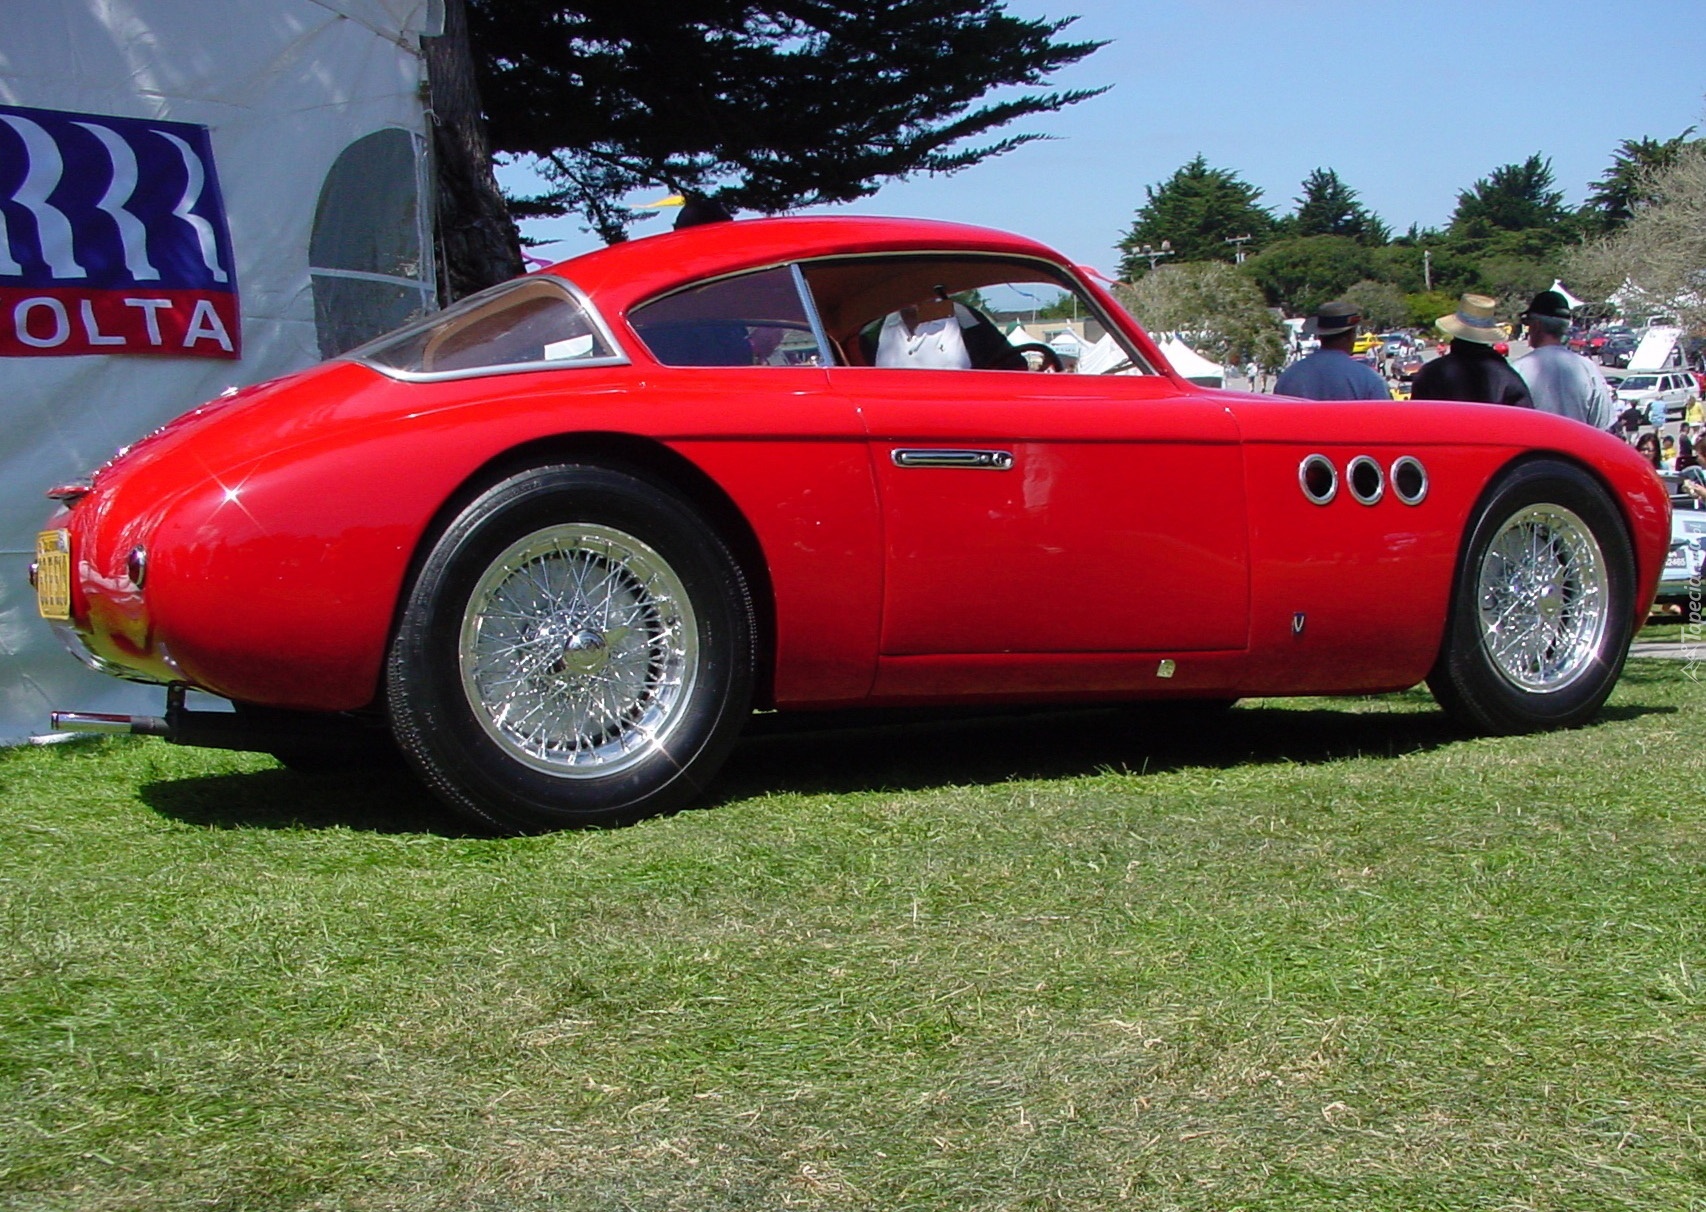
[{"x": 558, "y": 541}]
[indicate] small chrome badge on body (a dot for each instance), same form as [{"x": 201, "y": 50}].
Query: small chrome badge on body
[{"x": 1298, "y": 619}]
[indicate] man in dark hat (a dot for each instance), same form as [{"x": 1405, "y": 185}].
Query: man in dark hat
[
  {"x": 1472, "y": 369},
  {"x": 697, "y": 209},
  {"x": 1561, "y": 381},
  {"x": 1330, "y": 373}
]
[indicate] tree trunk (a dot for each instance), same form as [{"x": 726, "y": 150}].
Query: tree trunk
[{"x": 478, "y": 243}]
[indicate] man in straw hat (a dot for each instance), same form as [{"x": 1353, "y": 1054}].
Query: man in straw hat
[
  {"x": 1561, "y": 381},
  {"x": 1330, "y": 373},
  {"x": 1472, "y": 369}
]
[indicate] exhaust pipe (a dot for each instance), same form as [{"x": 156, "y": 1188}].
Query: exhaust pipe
[
  {"x": 97, "y": 721},
  {"x": 264, "y": 730}
]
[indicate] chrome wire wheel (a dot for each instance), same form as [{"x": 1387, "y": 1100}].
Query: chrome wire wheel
[
  {"x": 579, "y": 650},
  {"x": 1543, "y": 596}
]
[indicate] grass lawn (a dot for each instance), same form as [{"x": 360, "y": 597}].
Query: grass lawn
[{"x": 1319, "y": 954}]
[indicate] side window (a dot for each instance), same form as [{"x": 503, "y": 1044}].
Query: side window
[
  {"x": 756, "y": 319},
  {"x": 964, "y": 312}
]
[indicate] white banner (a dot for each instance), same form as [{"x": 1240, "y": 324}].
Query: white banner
[{"x": 282, "y": 90}]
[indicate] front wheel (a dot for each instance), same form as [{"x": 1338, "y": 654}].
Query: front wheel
[
  {"x": 577, "y": 650},
  {"x": 1543, "y": 608}
]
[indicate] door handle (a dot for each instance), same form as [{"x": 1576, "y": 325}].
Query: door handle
[{"x": 972, "y": 460}]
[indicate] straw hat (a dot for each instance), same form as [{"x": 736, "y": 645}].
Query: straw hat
[{"x": 1473, "y": 321}]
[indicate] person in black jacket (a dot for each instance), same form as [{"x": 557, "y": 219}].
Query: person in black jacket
[{"x": 1472, "y": 369}]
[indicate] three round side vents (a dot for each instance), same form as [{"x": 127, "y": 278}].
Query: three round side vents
[{"x": 1364, "y": 479}]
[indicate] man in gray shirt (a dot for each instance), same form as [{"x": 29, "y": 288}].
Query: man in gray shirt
[
  {"x": 1560, "y": 381},
  {"x": 1330, "y": 373}
]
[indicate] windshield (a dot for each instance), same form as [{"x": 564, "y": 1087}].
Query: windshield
[{"x": 1640, "y": 383}]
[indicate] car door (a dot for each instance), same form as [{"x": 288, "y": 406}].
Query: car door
[{"x": 1046, "y": 513}]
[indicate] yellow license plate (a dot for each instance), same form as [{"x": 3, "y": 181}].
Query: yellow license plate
[{"x": 53, "y": 574}]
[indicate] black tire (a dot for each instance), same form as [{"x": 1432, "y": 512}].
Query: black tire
[
  {"x": 577, "y": 650},
  {"x": 1542, "y": 610}
]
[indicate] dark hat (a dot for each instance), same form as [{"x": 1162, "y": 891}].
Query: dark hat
[
  {"x": 1336, "y": 317},
  {"x": 697, "y": 209},
  {"x": 1549, "y": 303}
]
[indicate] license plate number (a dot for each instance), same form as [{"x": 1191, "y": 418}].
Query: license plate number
[{"x": 53, "y": 574}]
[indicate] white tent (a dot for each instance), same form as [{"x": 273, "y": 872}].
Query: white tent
[
  {"x": 1067, "y": 345},
  {"x": 1020, "y": 335},
  {"x": 1102, "y": 357},
  {"x": 1558, "y": 286},
  {"x": 288, "y": 140},
  {"x": 1192, "y": 365}
]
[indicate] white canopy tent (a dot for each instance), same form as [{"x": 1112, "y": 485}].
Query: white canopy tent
[
  {"x": 1558, "y": 286},
  {"x": 1102, "y": 357},
  {"x": 1067, "y": 345},
  {"x": 298, "y": 130},
  {"x": 1192, "y": 365}
]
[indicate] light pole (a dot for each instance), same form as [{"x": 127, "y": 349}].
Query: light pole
[
  {"x": 1238, "y": 243},
  {"x": 1155, "y": 254}
]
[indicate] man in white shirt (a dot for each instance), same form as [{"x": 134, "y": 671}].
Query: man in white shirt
[{"x": 1560, "y": 381}]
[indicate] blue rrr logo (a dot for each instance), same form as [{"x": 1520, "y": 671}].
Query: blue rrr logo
[{"x": 113, "y": 238}]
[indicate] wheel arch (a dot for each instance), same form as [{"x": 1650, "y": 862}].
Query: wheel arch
[
  {"x": 1464, "y": 679},
  {"x": 645, "y": 459},
  {"x": 1495, "y": 483}
]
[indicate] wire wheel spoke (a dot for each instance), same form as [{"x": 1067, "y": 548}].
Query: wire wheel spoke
[
  {"x": 1542, "y": 598},
  {"x": 579, "y": 650}
]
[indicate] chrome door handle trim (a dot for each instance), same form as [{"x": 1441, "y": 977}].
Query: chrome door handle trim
[{"x": 974, "y": 460}]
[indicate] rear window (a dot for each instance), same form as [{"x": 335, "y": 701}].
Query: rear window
[{"x": 525, "y": 324}]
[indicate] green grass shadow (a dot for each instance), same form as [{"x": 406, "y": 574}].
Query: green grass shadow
[{"x": 843, "y": 753}]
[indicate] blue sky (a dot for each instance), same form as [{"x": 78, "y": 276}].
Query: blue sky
[{"x": 1409, "y": 104}]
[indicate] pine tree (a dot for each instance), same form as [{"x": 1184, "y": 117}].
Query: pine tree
[
  {"x": 1329, "y": 207},
  {"x": 1197, "y": 210},
  {"x": 1513, "y": 197},
  {"x": 1628, "y": 183},
  {"x": 761, "y": 106}
]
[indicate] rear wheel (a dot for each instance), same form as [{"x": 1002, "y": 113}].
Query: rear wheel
[
  {"x": 577, "y": 650},
  {"x": 1542, "y": 612}
]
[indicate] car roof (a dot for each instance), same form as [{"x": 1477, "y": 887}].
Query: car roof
[{"x": 626, "y": 273}]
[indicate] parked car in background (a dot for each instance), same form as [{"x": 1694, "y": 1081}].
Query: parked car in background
[
  {"x": 555, "y": 543},
  {"x": 1685, "y": 565},
  {"x": 1672, "y": 388},
  {"x": 1616, "y": 351}
]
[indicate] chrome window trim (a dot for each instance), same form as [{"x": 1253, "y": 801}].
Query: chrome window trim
[
  {"x": 575, "y": 294},
  {"x": 829, "y": 355},
  {"x": 825, "y": 352},
  {"x": 1058, "y": 269}
]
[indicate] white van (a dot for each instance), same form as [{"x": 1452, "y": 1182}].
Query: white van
[{"x": 1674, "y": 388}]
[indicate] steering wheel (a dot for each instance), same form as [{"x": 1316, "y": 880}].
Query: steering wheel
[{"x": 1033, "y": 355}]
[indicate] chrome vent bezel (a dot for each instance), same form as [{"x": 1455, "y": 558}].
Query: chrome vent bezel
[{"x": 1315, "y": 462}]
